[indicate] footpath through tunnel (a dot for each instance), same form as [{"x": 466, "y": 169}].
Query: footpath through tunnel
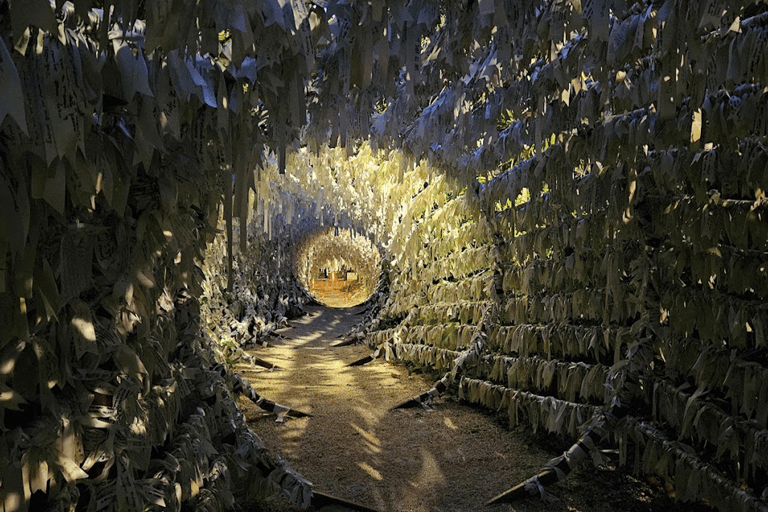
[
  {"x": 446, "y": 457},
  {"x": 555, "y": 212},
  {"x": 458, "y": 303}
]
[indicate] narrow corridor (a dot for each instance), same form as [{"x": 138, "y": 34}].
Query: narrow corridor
[{"x": 353, "y": 446}]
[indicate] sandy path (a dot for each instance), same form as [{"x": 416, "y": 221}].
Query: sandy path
[{"x": 452, "y": 458}]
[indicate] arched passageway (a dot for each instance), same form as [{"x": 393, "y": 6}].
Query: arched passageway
[
  {"x": 567, "y": 199},
  {"x": 337, "y": 267}
]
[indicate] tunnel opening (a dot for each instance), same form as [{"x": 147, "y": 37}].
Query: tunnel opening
[{"x": 337, "y": 267}]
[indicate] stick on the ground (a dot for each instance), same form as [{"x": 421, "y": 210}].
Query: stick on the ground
[
  {"x": 526, "y": 489},
  {"x": 320, "y": 499},
  {"x": 558, "y": 468},
  {"x": 345, "y": 342},
  {"x": 265, "y": 364},
  {"x": 366, "y": 359},
  {"x": 362, "y": 361},
  {"x": 242, "y": 354},
  {"x": 275, "y": 408},
  {"x": 243, "y": 386},
  {"x": 426, "y": 397}
]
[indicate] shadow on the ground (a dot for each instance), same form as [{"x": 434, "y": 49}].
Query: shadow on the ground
[{"x": 452, "y": 458}]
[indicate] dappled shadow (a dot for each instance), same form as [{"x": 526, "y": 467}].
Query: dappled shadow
[
  {"x": 319, "y": 328},
  {"x": 355, "y": 447}
]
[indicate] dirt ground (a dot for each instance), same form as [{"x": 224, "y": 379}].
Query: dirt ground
[{"x": 451, "y": 458}]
